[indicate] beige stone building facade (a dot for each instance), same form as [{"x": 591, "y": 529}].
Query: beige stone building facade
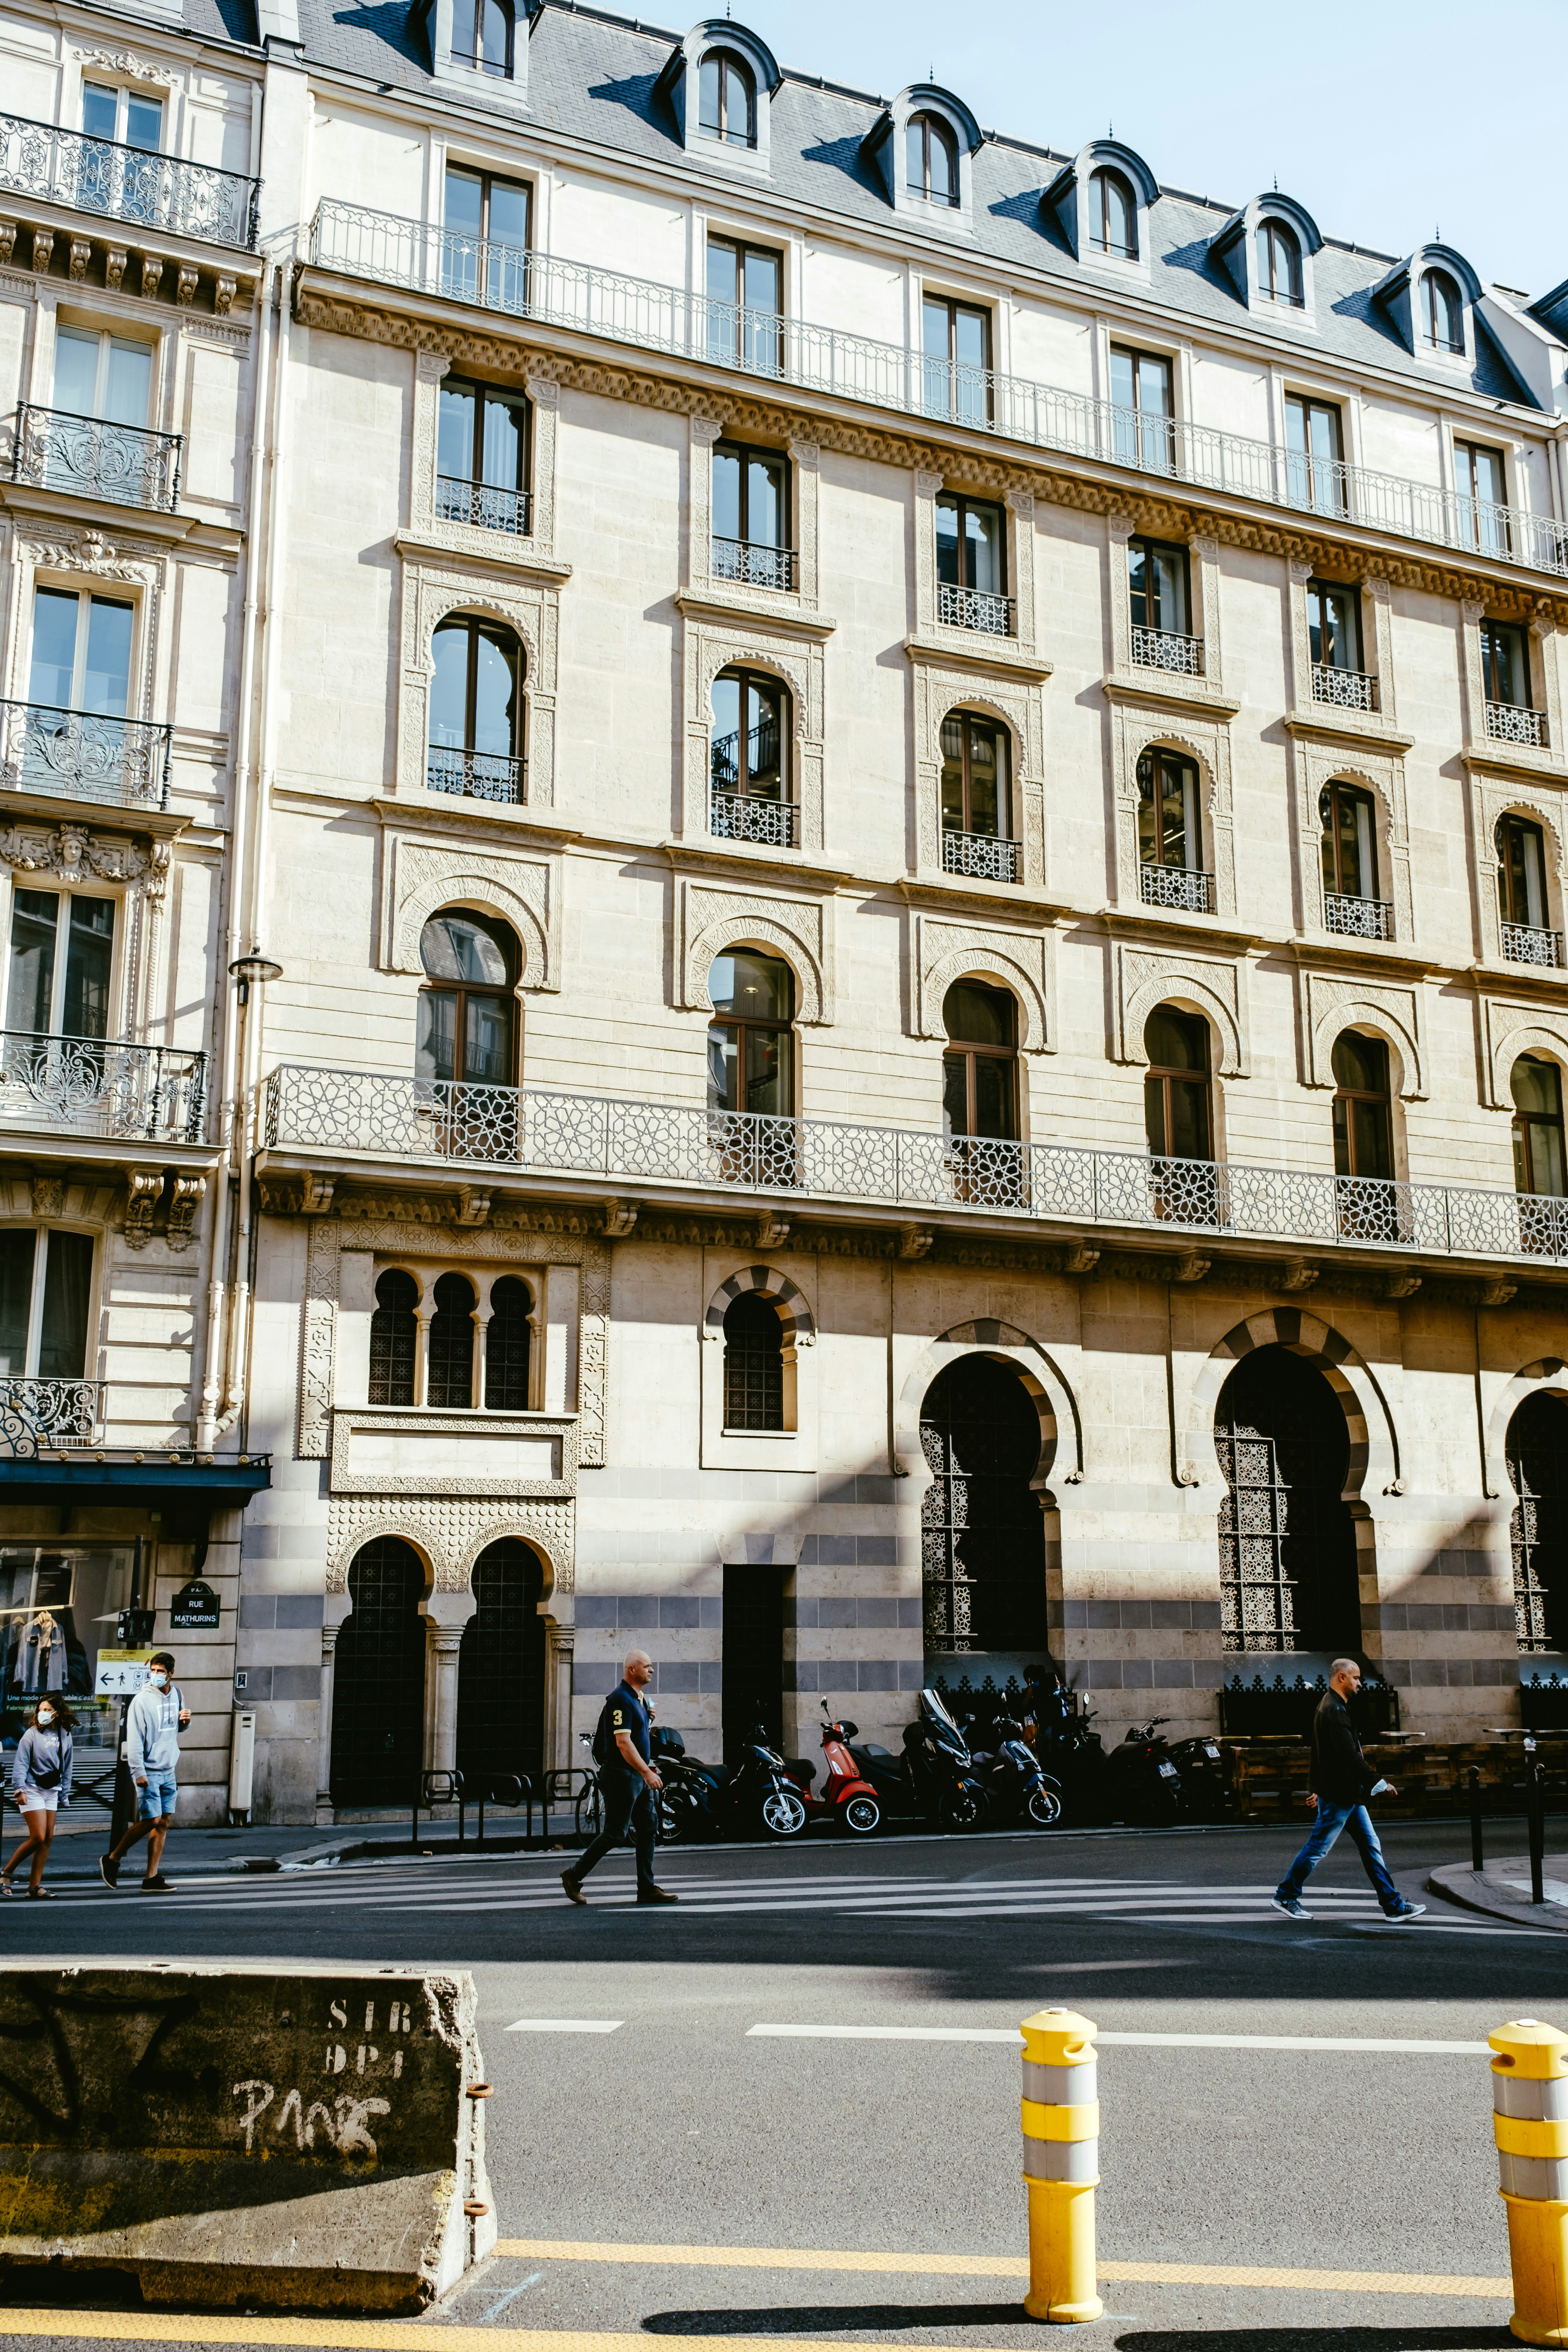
[{"x": 908, "y": 795}]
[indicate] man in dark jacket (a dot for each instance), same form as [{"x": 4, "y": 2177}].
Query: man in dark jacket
[
  {"x": 630, "y": 1782},
  {"x": 1342, "y": 1780}
]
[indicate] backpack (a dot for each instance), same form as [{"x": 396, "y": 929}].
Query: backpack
[{"x": 606, "y": 1752}]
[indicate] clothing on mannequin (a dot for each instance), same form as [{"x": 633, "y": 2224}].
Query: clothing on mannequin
[{"x": 40, "y": 1660}]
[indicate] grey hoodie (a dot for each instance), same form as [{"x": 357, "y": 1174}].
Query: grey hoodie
[{"x": 49, "y": 1752}]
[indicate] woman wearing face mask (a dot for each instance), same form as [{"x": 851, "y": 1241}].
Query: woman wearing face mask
[{"x": 41, "y": 1781}]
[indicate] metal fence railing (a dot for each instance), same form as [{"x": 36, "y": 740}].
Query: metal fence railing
[
  {"x": 84, "y": 755},
  {"x": 128, "y": 183},
  {"x": 100, "y": 1086},
  {"x": 95, "y": 458}
]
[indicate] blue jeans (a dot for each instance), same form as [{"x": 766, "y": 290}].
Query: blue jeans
[{"x": 1330, "y": 1820}]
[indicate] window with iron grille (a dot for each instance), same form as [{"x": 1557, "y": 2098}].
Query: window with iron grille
[
  {"x": 753, "y": 1365},
  {"x": 394, "y": 1334},
  {"x": 507, "y": 1339},
  {"x": 983, "y": 1539},
  {"x": 1287, "y": 1543},
  {"x": 1537, "y": 1454},
  {"x": 500, "y": 1669},
  {"x": 449, "y": 1386}
]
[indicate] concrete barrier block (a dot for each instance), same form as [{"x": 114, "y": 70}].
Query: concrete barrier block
[{"x": 300, "y": 2139}]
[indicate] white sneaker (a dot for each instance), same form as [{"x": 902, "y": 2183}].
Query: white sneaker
[{"x": 1293, "y": 1908}]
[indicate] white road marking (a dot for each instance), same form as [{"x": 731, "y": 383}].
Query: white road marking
[
  {"x": 1164, "y": 2040},
  {"x": 567, "y": 2025}
]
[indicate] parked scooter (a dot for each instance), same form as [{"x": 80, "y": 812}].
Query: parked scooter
[
  {"x": 934, "y": 1780},
  {"x": 848, "y": 1800},
  {"x": 1146, "y": 1786},
  {"x": 1204, "y": 1795},
  {"x": 1069, "y": 1751},
  {"x": 700, "y": 1800},
  {"x": 1016, "y": 1787}
]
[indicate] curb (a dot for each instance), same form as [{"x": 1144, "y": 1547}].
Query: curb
[{"x": 1498, "y": 1898}]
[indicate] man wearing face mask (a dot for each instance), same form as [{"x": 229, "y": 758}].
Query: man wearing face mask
[
  {"x": 41, "y": 1783},
  {"x": 153, "y": 1721}
]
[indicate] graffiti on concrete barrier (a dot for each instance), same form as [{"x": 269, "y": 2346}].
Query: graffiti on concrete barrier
[{"x": 343, "y": 2129}]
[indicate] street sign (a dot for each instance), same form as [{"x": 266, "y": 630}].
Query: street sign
[
  {"x": 120, "y": 1673},
  {"x": 193, "y": 1608}
]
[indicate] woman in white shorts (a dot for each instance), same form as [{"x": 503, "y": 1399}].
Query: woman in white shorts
[{"x": 41, "y": 1783}]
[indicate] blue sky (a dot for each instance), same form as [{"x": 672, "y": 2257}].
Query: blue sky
[{"x": 1386, "y": 120}]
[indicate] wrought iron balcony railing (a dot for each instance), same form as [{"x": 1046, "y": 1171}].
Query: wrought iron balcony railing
[
  {"x": 483, "y": 505},
  {"x": 1531, "y": 943},
  {"x": 985, "y": 855},
  {"x": 1177, "y": 886},
  {"x": 974, "y": 608},
  {"x": 56, "y": 451},
  {"x": 548, "y": 1132},
  {"x": 1166, "y": 649},
  {"x": 81, "y": 755},
  {"x": 127, "y": 183},
  {"x": 1346, "y": 689},
  {"x": 755, "y": 564},
  {"x": 747, "y": 816},
  {"x": 396, "y": 251},
  {"x": 476, "y": 775},
  {"x": 46, "y": 1416},
  {"x": 100, "y": 1086},
  {"x": 1514, "y": 722},
  {"x": 1358, "y": 918}
]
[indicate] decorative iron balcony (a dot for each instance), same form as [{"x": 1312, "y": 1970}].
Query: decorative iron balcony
[
  {"x": 1358, "y": 918},
  {"x": 755, "y": 564},
  {"x": 1177, "y": 886},
  {"x": 1514, "y": 722},
  {"x": 983, "y": 855},
  {"x": 1165, "y": 649},
  {"x": 545, "y": 1132},
  {"x": 477, "y": 775},
  {"x": 46, "y": 1416},
  {"x": 1531, "y": 943},
  {"x": 1346, "y": 689},
  {"x": 747, "y": 816},
  {"x": 151, "y": 192},
  {"x": 974, "y": 608},
  {"x": 102, "y": 1086},
  {"x": 122, "y": 463},
  {"x": 81, "y": 755},
  {"x": 484, "y": 506},
  {"x": 396, "y": 251}
]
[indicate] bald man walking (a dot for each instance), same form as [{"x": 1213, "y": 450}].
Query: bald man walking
[
  {"x": 629, "y": 1781},
  {"x": 1342, "y": 1780}
]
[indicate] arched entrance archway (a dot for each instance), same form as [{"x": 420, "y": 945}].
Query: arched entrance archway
[
  {"x": 1286, "y": 1540},
  {"x": 983, "y": 1537},
  {"x": 378, "y": 1696},
  {"x": 500, "y": 1668},
  {"x": 1537, "y": 1456}
]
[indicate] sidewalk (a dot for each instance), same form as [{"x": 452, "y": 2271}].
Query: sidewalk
[{"x": 1503, "y": 1890}]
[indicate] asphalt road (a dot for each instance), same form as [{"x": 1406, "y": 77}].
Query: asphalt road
[{"x": 683, "y": 2127}]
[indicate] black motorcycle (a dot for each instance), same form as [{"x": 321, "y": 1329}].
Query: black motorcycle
[
  {"x": 1145, "y": 1785},
  {"x": 705, "y": 1800},
  {"x": 1069, "y": 1751},
  {"x": 1204, "y": 1795},
  {"x": 934, "y": 1781},
  {"x": 1016, "y": 1790}
]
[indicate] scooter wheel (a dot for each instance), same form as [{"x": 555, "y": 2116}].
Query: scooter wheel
[
  {"x": 962, "y": 1808},
  {"x": 860, "y": 1816},
  {"x": 783, "y": 1813},
  {"x": 1045, "y": 1809}
]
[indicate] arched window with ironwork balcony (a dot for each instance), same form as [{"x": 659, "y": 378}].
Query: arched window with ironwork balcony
[
  {"x": 1524, "y": 910},
  {"x": 1171, "y": 867},
  {"x": 749, "y": 794},
  {"x": 1353, "y": 904},
  {"x": 977, "y": 830},
  {"x": 476, "y": 711}
]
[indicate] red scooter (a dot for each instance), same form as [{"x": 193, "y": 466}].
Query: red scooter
[{"x": 846, "y": 1799}]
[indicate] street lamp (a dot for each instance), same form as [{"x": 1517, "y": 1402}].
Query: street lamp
[{"x": 253, "y": 967}]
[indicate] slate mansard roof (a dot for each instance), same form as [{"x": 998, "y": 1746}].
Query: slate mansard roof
[{"x": 592, "y": 79}]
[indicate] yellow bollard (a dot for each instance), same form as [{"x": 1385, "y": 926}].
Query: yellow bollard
[
  {"x": 1061, "y": 2163},
  {"x": 1529, "y": 2117}
]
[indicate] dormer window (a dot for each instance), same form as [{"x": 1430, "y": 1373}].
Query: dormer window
[
  {"x": 1280, "y": 264},
  {"x": 1442, "y": 312},
  {"x": 931, "y": 151},
  {"x": 1113, "y": 216},
  {"x": 485, "y": 30},
  {"x": 727, "y": 99}
]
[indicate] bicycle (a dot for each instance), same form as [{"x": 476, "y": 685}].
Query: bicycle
[{"x": 590, "y": 1813}]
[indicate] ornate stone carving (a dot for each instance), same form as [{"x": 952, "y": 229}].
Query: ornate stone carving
[
  {"x": 713, "y": 645},
  {"x": 1023, "y": 962},
  {"x": 523, "y": 889},
  {"x": 145, "y": 1189},
  {"x": 1147, "y": 977},
  {"x": 712, "y": 919},
  {"x": 915, "y": 1241},
  {"x": 1020, "y": 706},
  {"x": 1511, "y": 1029},
  {"x": 1382, "y": 775},
  {"x": 1394, "y": 1011},
  {"x": 620, "y": 1216},
  {"x": 473, "y": 1206},
  {"x": 125, "y": 61},
  {"x": 1206, "y": 743},
  {"x": 317, "y": 1332},
  {"x": 434, "y": 586},
  {"x": 189, "y": 1193},
  {"x": 451, "y": 1534},
  {"x": 49, "y": 1194}
]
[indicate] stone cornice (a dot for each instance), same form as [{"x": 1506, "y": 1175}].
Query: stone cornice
[
  {"x": 967, "y": 649},
  {"x": 332, "y": 304},
  {"x": 712, "y": 605},
  {"x": 1345, "y": 727}
]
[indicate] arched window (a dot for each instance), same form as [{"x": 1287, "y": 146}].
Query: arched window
[
  {"x": 1351, "y": 900},
  {"x": 931, "y": 153},
  {"x": 476, "y": 710},
  {"x": 450, "y": 1384},
  {"x": 1443, "y": 311},
  {"x": 1521, "y": 893},
  {"x": 1537, "y": 1456},
  {"x": 1112, "y": 215},
  {"x": 485, "y": 39},
  {"x": 1176, "y": 1088},
  {"x": 727, "y": 98},
  {"x": 508, "y": 1343},
  {"x": 753, "y": 1364},
  {"x": 1170, "y": 836},
  {"x": 976, "y": 824},
  {"x": 501, "y": 1671},
  {"x": 378, "y": 1682},
  {"x": 1280, "y": 264},
  {"x": 980, "y": 1064},
  {"x": 982, "y": 1534},
  {"x": 1538, "y": 1158},
  {"x": 748, "y": 760},
  {"x": 394, "y": 1338},
  {"x": 467, "y": 1004},
  {"x": 1364, "y": 1125},
  {"x": 1287, "y": 1542},
  {"x": 751, "y": 1057}
]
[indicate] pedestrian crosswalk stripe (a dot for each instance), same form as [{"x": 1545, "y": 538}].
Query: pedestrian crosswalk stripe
[{"x": 567, "y": 2025}]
